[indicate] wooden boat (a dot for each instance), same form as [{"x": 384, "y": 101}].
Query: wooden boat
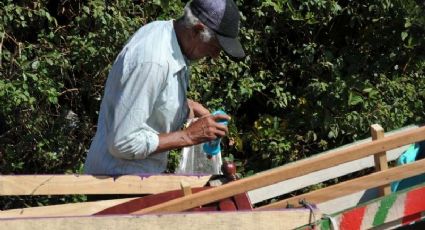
[{"x": 187, "y": 202}]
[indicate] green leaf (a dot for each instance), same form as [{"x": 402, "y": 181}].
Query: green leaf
[
  {"x": 49, "y": 61},
  {"x": 162, "y": 3},
  {"x": 354, "y": 99},
  {"x": 35, "y": 65},
  {"x": 404, "y": 35},
  {"x": 86, "y": 9}
]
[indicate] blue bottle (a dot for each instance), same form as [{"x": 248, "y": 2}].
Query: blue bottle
[{"x": 213, "y": 147}]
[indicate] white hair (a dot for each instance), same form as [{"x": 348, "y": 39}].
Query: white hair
[{"x": 189, "y": 20}]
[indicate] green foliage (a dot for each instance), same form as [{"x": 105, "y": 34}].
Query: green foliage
[
  {"x": 317, "y": 75},
  {"x": 54, "y": 59}
]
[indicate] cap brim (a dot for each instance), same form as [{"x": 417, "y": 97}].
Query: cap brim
[{"x": 231, "y": 46}]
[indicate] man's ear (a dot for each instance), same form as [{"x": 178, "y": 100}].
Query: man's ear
[{"x": 198, "y": 28}]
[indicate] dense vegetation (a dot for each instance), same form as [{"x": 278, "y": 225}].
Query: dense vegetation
[{"x": 317, "y": 74}]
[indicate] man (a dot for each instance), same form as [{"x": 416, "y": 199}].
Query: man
[{"x": 144, "y": 105}]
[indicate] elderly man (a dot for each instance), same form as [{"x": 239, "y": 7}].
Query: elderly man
[{"x": 145, "y": 106}]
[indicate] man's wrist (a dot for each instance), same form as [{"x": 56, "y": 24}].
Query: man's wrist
[
  {"x": 174, "y": 140},
  {"x": 186, "y": 138}
]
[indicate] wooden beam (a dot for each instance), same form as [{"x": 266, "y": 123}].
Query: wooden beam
[
  {"x": 74, "y": 209},
  {"x": 287, "y": 186},
  {"x": 87, "y": 184},
  {"x": 187, "y": 190},
  {"x": 288, "y": 171},
  {"x": 348, "y": 187},
  {"x": 270, "y": 220},
  {"x": 381, "y": 163}
]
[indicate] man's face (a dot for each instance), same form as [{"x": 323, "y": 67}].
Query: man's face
[
  {"x": 213, "y": 48},
  {"x": 201, "y": 49}
]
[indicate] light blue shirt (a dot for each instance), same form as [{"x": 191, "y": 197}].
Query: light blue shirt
[{"x": 145, "y": 94}]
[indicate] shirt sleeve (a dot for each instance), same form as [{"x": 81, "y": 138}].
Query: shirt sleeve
[{"x": 130, "y": 95}]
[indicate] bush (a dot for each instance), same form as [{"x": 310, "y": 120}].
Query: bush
[
  {"x": 54, "y": 61},
  {"x": 317, "y": 75}
]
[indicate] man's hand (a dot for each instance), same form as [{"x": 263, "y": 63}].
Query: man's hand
[
  {"x": 206, "y": 128},
  {"x": 196, "y": 109}
]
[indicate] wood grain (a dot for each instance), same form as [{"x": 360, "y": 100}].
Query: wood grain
[{"x": 87, "y": 184}]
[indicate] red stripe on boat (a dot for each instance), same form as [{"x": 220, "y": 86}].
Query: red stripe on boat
[
  {"x": 414, "y": 205},
  {"x": 353, "y": 219}
]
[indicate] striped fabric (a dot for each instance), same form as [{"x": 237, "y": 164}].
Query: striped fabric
[{"x": 397, "y": 209}]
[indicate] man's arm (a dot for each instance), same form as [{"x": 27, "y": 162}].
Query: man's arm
[
  {"x": 129, "y": 101},
  {"x": 202, "y": 130}
]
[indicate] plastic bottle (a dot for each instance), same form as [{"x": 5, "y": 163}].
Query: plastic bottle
[{"x": 213, "y": 147}]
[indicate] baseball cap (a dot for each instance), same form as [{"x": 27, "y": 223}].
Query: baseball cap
[{"x": 222, "y": 16}]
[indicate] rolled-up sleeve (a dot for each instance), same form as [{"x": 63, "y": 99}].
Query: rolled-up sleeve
[{"x": 130, "y": 102}]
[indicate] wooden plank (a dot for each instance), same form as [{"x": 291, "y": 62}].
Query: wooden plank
[
  {"x": 355, "y": 185},
  {"x": 380, "y": 158},
  {"x": 303, "y": 181},
  {"x": 184, "y": 221},
  {"x": 288, "y": 171},
  {"x": 88, "y": 184},
  {"x": 75, "y": 209}
]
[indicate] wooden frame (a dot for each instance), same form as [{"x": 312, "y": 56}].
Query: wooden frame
[
  {"x": 52, "y": 184},
  {"x": 348, "y": 187},
  {"x": 289, "y": 171},
  {"x": 334, "y": 171}
]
